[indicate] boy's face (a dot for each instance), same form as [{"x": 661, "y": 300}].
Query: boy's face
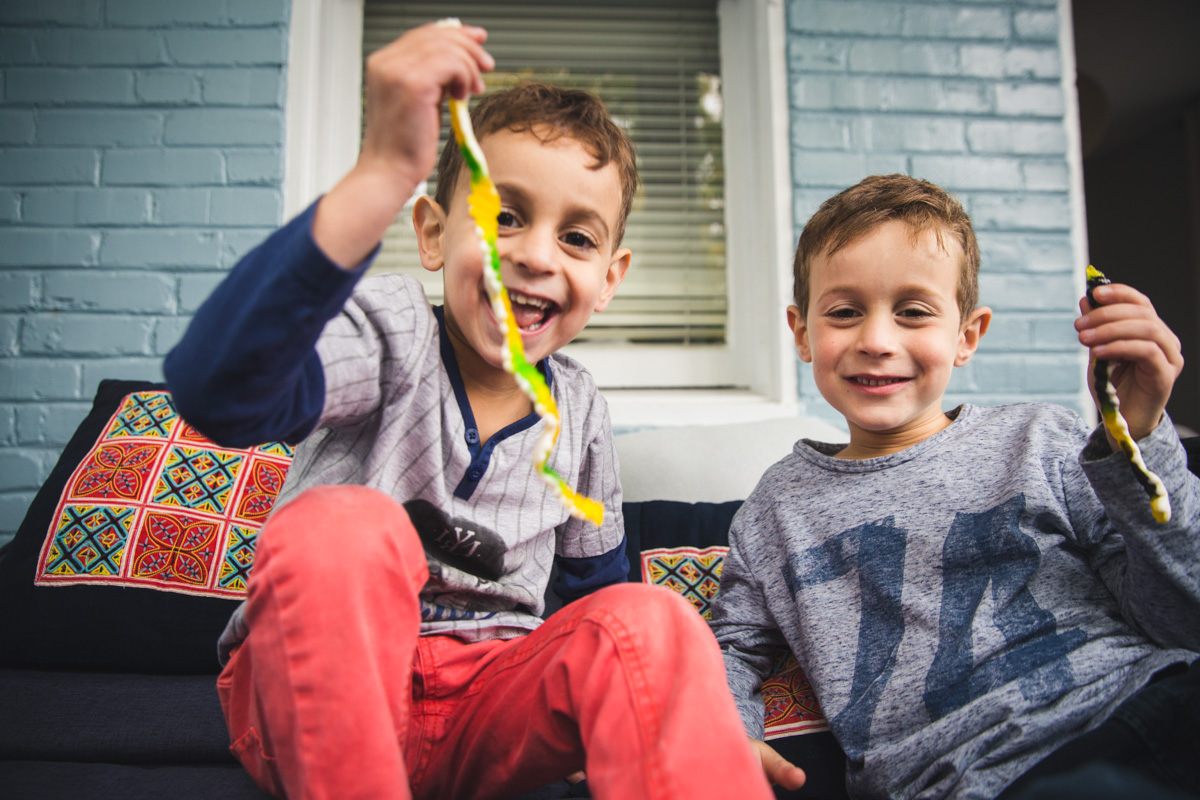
[
  {"x": 882, "y": 332},
  {"x": 558, "y": 257}
]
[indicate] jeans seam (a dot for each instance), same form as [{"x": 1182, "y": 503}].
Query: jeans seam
[{"x": 635, "y": 670}]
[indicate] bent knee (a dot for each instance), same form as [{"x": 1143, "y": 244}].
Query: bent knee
[
  {"x": 666, "y": 630},
  {"x": 341, "y": 524},
  {"x": 643, "y": 604}
]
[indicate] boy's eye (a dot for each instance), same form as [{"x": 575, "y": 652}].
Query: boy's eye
[
  {"x": 506, "y": 219},
  {"x": 915, "y": 313},
  {"x": 577, "y": 239},
  {"x": 843, "y": 313}
]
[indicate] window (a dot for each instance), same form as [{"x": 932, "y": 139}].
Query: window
[
  {"x": 657, "y": 67},
  {"x": 700, "y": 336}
]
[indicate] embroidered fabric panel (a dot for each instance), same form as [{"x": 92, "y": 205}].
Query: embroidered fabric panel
[
  {"x": 156, "y": 504},
  {"x": 693, "y": 572},
  {"x": 792, "y": 707}
]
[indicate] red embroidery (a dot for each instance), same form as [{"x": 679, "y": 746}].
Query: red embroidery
[{"x": 156, "y": 504}]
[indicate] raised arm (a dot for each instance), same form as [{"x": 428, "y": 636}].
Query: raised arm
[
  {"x": 246, "y": 370},
  {"x": 406, "y": 83}
]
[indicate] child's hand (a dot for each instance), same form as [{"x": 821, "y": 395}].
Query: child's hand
[
  {"x": 406, "y": 82},
  {"x": 1126, "y": 330},
  {"x": 779, "y": 771}
]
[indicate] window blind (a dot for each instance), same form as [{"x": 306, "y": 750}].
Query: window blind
[{"x": 655, "y": 63}]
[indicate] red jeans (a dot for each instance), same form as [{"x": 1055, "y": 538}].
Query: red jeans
[{"x": 335, "y": 695}]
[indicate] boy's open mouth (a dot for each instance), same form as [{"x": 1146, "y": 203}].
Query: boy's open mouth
[
  {"x": 873, "y": 382},
  {"x": 531, "y": 313}
]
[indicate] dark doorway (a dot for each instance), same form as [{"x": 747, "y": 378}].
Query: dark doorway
[{"x": 1139, "y": 106}]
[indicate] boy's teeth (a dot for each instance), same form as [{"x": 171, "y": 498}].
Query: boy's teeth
[
  {"x": 526, "y": 300},
  {"x": 877, "y": 382},
  {"x": 529, "y": 312}
]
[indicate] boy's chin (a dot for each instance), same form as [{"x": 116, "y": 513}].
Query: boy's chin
[{"x": 537, "y": 345}]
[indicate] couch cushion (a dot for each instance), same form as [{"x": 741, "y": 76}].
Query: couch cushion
[
  {"x": 56, "y": 780},
  {"x": 135, "y": 550},
  {"x": 117, "y": 717},
  {"x": 679, "y": 545}
]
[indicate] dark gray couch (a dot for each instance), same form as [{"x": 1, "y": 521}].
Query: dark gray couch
[{"x": 109, "y": 691}]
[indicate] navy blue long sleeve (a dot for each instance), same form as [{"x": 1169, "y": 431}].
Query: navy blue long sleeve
[
  {"x": 579, "y": 577},
  {"x": 246, "y": 370}
]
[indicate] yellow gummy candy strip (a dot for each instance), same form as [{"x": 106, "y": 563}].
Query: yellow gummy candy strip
[
  {"x": 484, "y": 206},
  {"x": 1110, "y": 412}
]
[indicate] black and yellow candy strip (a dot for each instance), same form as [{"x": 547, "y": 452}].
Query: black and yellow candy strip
[{"x": 1110, "y": 412}]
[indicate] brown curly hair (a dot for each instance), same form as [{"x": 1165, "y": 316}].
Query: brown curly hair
[
  {"x": 856, "y": 211},
  {"x": 549, "y": 112}
]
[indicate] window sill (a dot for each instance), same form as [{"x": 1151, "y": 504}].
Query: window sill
[{"x": 634, "y": 409}]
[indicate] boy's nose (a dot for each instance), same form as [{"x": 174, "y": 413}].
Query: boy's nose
[
  {"x": 534, "y": 251},
  {"x": 877, "y": 337}
]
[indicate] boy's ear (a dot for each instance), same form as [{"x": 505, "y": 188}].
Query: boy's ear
[
  {"x": 800, "y": 331},
  {"x": 612, "y": 279},
  {"x": 968, "y": 338},
  {"x": 429, "y": 221}
]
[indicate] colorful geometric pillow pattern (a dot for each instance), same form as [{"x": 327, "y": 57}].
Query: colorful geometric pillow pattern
[
  {"x": 792, "y": 707},
  {"x": 156, "y": 504},
  {"x": 695, "y": 572}
]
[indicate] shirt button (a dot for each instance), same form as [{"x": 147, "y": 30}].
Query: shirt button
[
  {"x": 475, "y": 473},
  {"x": 472, "y": 436}
]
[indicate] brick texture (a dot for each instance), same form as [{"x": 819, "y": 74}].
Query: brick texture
[
  {"x": 966, "y": 94},
  {"x": 140, "y": 155}
]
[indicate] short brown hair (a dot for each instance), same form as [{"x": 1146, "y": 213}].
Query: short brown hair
[
  {"x": 549, "y": 112},
  {"x": 856, "y": 211}
]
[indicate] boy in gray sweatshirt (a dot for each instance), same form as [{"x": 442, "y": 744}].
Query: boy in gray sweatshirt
[{"x": 968, "y": 591}]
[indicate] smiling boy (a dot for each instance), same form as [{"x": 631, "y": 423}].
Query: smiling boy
[
  {"x": 885, "y": 328},
  {"x": 557, "y": 207},
  {"x": 392, "y": 644},
  {"x": 974, "y": 594}
]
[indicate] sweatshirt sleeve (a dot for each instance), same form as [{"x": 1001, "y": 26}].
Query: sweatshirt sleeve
[
  {"x": 246, "y": 370},
  {"x": 1152, "y": 569},
  {"x": 744, "y": 627},
  {"x": 579, "y": 577}
]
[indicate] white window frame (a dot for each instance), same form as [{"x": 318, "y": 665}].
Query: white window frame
[{"x": 324, "y": 83}]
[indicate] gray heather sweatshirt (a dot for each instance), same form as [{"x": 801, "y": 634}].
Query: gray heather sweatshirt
[{"x": 965, "y": 606}]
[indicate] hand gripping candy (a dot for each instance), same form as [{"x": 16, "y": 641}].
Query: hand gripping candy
[{"x": 1110, "y": 412}]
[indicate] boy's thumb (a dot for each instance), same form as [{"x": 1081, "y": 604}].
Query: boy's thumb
[{"x": 780, "y": 771}]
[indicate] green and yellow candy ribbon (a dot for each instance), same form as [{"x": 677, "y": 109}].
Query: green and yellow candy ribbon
[
  {"x": 484, "y": 206},
  {"x": 1110, "y": 412}
]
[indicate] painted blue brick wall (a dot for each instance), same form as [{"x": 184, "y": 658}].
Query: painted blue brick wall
[
  {"x": 968, "y": 95},
  {"x": 141, "y": 152}
]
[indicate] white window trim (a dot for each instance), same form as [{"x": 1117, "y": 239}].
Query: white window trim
[
  {"x": 323, "y": 131},
  {"x": 1079, "y": 236}
]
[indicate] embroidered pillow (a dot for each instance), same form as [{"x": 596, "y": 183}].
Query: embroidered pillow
[{"x": 137, "y": 547}]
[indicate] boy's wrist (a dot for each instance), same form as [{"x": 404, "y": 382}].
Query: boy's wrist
[
  {"x": 354, "y": 215},
  {"x": 1135, "y": 435},
  {"x": 1145, "y": 430}
]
